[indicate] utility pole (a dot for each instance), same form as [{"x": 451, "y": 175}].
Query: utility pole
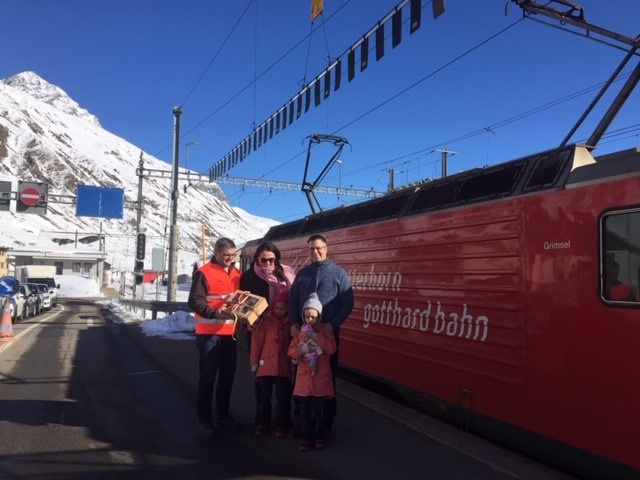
[{"x": 174, "y": 233}]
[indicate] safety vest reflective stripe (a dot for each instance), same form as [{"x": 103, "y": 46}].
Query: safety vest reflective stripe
[
  {"x": 216, "y": 298},
  {"x": 214, "y": 321}
]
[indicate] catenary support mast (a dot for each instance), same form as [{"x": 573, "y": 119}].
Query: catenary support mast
[{"x": 174, "y": 234}]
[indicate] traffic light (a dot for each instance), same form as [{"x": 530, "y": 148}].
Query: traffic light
[
  {"x": 138, "y": 272},
  {"x": 141, "y": 241}
]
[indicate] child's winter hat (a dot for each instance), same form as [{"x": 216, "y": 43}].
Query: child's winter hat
[
  {"x": 281, "y": 296},
  {"x": 313, "y": 302}
]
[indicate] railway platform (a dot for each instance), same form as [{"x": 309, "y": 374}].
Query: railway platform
[{"x": 373, "y": 437}]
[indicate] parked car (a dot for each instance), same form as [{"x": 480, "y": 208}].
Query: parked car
[
  {"x": 46, "y": 297},
  {"x": 53, "y": 287},
  {"x": 30, "y": 301},
  {"x": 39, "y": 296},
  {"x": 16, "y": 306}
]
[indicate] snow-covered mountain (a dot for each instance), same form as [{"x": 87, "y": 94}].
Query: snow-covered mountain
[{"x": 45, "y": 136}]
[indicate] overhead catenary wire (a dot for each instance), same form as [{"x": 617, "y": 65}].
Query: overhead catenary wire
[
  {"x": 306, "y": 63},
  {"x": 239, "y": 152},
  {"x": 215, "y": 55},
  {"x": 255, "y": 64},
  {"x": 405, "y": 90},
  {"x": 248, "y": 85},
  {"x": 453, "y": 140}
]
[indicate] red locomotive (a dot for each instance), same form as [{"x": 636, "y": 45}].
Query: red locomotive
[{"x": 504, "y": 300}]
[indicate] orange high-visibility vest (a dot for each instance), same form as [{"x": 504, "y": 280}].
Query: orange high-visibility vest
[{"x": 221, "y": 282}]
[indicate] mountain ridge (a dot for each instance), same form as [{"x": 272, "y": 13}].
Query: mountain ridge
[{"x": 45, "y": 136}]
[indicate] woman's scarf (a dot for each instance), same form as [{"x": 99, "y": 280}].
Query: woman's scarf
[{"x": 275, "y": 284}]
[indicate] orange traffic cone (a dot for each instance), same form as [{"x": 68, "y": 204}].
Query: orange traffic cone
[{"x": 6, "y": 328}]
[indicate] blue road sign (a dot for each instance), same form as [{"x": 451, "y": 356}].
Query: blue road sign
[
  {"x": 104, "y": 202},
  {"x": 8, "y": 286}
]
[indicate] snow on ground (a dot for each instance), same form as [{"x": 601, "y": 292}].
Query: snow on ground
[
  {"x": 77, "y": 286},
  {"x": 177, "y": 326}
]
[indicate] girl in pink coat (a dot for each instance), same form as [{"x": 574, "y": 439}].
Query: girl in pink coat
[
  {"x": 268, "y": 358},
  {"x": 313, "y": 388}
]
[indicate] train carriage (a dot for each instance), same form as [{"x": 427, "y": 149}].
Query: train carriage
[{"x": 503, "y": 300}]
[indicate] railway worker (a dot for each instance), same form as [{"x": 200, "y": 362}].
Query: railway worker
[
  {"x": 335, "y": 293},
  {"x": 614, "y": 288},
  {"x": 265, "y": 277},
  {"x": 214, "y": 336}
]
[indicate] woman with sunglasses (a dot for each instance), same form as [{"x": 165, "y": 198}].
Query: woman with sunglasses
[{"x": 270, "y": 279}]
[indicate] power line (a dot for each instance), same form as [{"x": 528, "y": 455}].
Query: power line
[
  {"x": 251, "y": 83},
  {"x": 215, "y": 55},
  {"x": 393, "y": 97},
  {"x": 468, "y": 135},
  {"x": 428, "y": 76},
  {"x": 320, "y": 86}
]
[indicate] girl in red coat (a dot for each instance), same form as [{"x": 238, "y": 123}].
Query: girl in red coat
[
  {"x": 269, "y": 360},
  {"x": 313, "y": 388}
]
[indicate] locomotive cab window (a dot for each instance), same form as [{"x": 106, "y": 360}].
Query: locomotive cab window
[{"x": 620, "y": 258}]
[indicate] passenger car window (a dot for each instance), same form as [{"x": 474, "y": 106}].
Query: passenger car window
[{"x": 620, "y": 257}]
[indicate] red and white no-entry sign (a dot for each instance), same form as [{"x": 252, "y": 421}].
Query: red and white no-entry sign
[{"x": 30, "y": 196}]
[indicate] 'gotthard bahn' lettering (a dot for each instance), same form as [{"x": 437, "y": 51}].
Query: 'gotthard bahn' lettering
[
  {"x": 452, "y": 324},
  {"x": 391, "y": 313}
]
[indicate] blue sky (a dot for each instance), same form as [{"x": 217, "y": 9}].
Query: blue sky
[{"x": 474, "y": 81}]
